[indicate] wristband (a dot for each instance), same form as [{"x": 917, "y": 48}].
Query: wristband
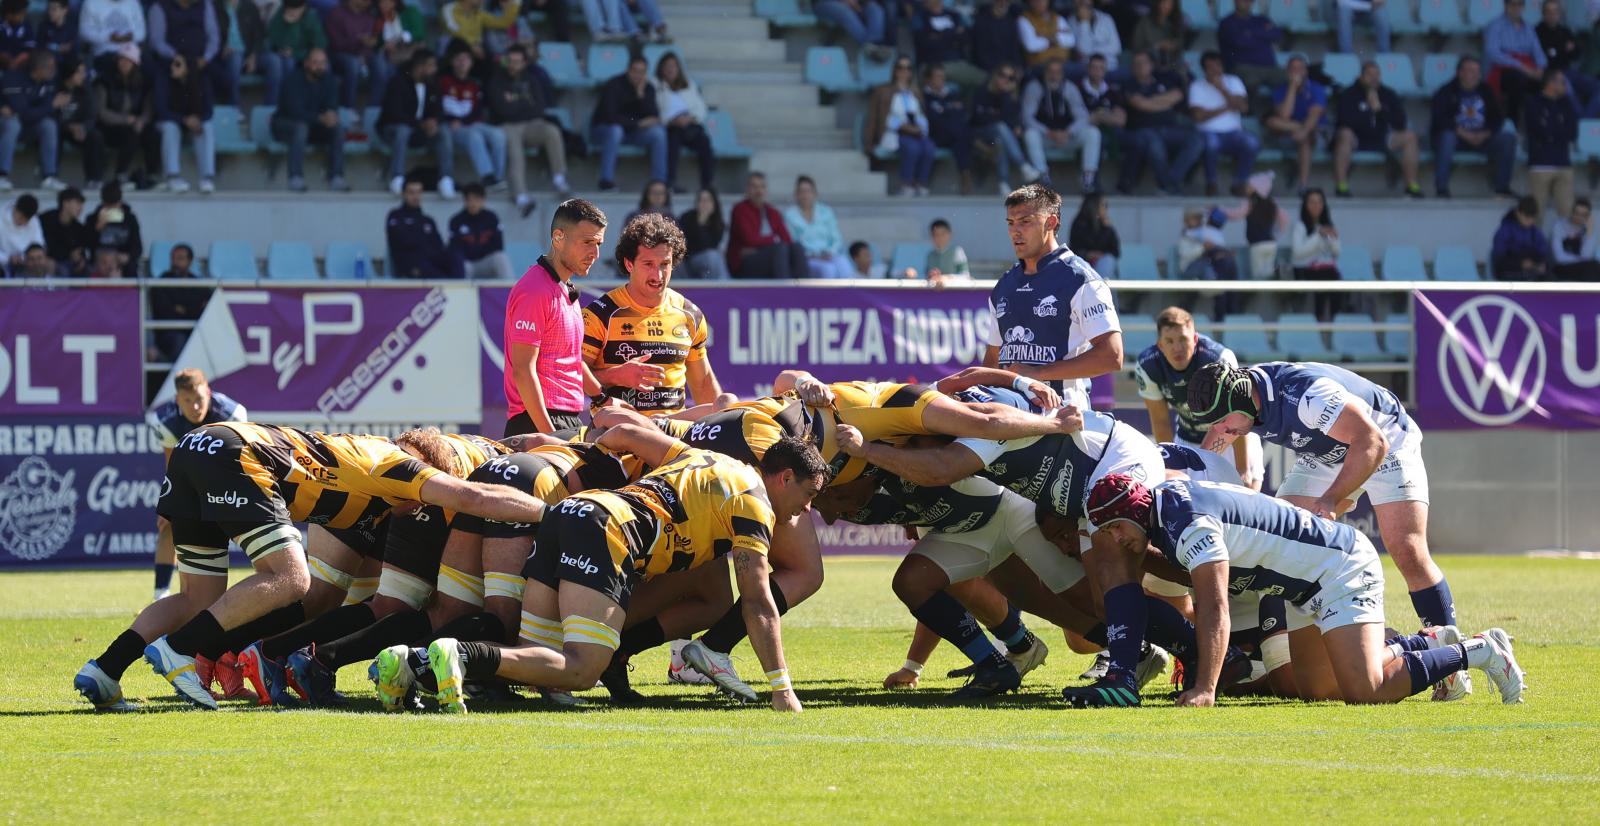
[
  {"x": 779, "y": 680},
  {"x": 1023, "y": 385},
  {"x": 912, "y": 666}
]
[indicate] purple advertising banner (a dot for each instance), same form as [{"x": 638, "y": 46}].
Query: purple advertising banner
[
  {"x": 1497, "y": 359},
  {"x": 70, "y": 352},
  {"x": 82, "y": 493}
]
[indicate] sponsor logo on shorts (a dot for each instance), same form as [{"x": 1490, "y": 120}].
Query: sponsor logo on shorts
[
  {"x": 582, "y": 563},
  {"x": 1240, "y": 584},
  {"x": 231, "y": 498},
  {"x": 1330, "y": 614}
]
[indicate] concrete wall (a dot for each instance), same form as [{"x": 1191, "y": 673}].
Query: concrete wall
[{"x": 1513, "y": 490}]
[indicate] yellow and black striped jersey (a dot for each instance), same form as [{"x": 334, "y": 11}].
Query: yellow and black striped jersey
[
  {"x": 882, "y": 410},
  {"x": 470, "y": 451},
  {"x": 698, "y": 506},
  {"x": 331, "y": 479},
  {"x": 561, "y": 461},
  {"x": 673, "y": 334},
  {"x": 746, "y": 429}
]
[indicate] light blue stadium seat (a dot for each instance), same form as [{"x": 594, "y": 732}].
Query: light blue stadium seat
[
  {"x": 785, "y": 14},
  {"x": 341, "y": 259},
  {"x": 606, "y": 61},
  {"x": 829, "y": 68},
  {"x": 161, "y": 257},
  {"x": 1138, "y": 263},
  {"x": 232, "y": 260},
  {"x": 1589, "y": 139},
  {"x": 1480, "y": 12},
  {"x": 227, "y": 128},
  {"x": 1135, "y": 342},
  {"x": 912, "y": 255},
  {"x": 1295, "y": 15},
  {"x": 1399, "y": 74},
  {"x": 1443, "y": 16},
  {"x": 724, "y": 139},
  {"x": 560, "y": 61},
  {"x": 1355, "y": 263},
  {"x": 873, "y": 72},
  {"x": 261, "y": 129},
  {"x": 561, "y": 115},
  {"x": 1403, "y": 17},
  {"x": 1455, "y": 263},
  {"x": 1397, "y": 343},
  {"x": 1342, "y": 68},
  {"x": 292, "y": 260},
  {"x": 523, "y": 254},
  {"x": 1352, "y": 342},
  {"x": 1403, "y": 262},
  {"x": 1200, "y": 15},
  {"x": 1437, "y": 70},
  {"x": 655, "y": 51},
  {"x": 1250, "y": 345},
  {"x": 1202, "y": 324},
  {"x": 1191, "y": 60},
  {"x": 1302, "y": 344}
]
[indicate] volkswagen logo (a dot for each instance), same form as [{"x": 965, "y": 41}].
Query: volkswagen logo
[{"x": 1492, "y": 360}]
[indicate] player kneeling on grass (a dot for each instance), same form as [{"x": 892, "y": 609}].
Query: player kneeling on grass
[
  {"x": 594, "y": 547},
  {"x": 1231, "y": 539}
]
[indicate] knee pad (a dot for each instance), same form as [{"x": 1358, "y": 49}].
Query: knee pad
[
  {"x": 590, "y": 632},
  {"x": 201, "y": 561},
  {"x": 509, "y": 586},
  {"x": 411, "y": 590},
  {"x": 361, "y": 588},
  {"x": 540, "y": 631},
  {"x": 329, "y": 574},
  {"x": 266, "y": 540},
  {"x": 461, "y": 586},
  {"x": 1275, "y": 652}
]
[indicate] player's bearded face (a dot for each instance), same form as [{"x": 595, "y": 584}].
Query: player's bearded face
[
  {"x": 651, "y": 270},
  {"x": 792, "y": 495}
]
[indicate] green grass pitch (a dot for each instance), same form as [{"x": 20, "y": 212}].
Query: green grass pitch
[{"x": 856, "y": 753}]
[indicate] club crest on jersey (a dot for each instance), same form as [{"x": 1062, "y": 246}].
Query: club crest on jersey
[
  {"x": 680, "y": 331},
  {"x": 1046, "y": 307}
]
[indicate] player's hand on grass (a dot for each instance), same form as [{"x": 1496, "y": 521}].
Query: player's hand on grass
[
  {"x": 1197, "y": 698},
  {"x": 1070, "y": 419},
  {"x": 785, "y": 701},
  {"x": 849, "y": 438},
  {"x": 904, "y": 678},
  {"x": 814, "y": 392}
]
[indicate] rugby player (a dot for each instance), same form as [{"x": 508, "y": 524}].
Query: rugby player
[
  {"x": 696, "y": 506},
  {"x": 644, "y": 341},
  {"x": 251, "y": 483},
  {"x": 1163, "y": 371},
  {"x": 1231, "y": 539},
  {"x": 1351, "y": 437}
]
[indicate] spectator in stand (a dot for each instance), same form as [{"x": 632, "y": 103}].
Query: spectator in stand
[
  {"x": 1155, "y": 132},
  {"x": 107, "y": 263},
  {"x": 1246, "y": 41},
  {"x": 242, "y": 35},
  {"x": 307, "y": 113},
  {"x": 995, "y": 38},
  {"x": 17, "y": 37},
  {"x": 703, "y": 229},
  {"x": 1263, "y": 221},
  {"x": 1093, "y": 238},
  {"x": 78, "y": 121},
  {"x": 1551, "y": 122},
  {"x": 415, "y": 248},
  {"x": 556, "y": 15},
  {"x": 1560, "y": 47},
  {"x": 1103, "y": 101},
  {"x": 613, "y": 20},
  {"x": 942, "y": 37},
  {"x": 1216, "y": 101},
  {"x": 411, "y": 116},
  {"x": 864, "y": 21},
  {"x": 1203, "y": 253},
  {"x": 1376, "y": 12},
  {"x": 655, "y": 198},
  {"x": 520, "y": 92},
  {"x": 58, "y": 32},
  {"x": 864, "y": 264},
  {"x": 122, "y": 99},
  {"x": 1163, "y": 34},
  {"x": 186, "y": 112},
  {"x": 759, "y": 245},
  {"x": 469, "y": 20},
  {"x": 1094, "y": 33},
  {"x": 19, "y": 230},
  {"x": 1516, "y": 60},
  {"x": 67, "y": 240},
  {"x": 108, "y": 25},
  {"x": 946, "y": 261},
  {"x": 1314, "y": 250},
  {"x": 1467, "y": 118},
  {"x": 1045, "y": 36},
  {"x": 1298, "y": 117},
  {"x": 476, "y": 238},
  {"x": 461, "y": 105},
  {"x": 897, "y": 123},
  {"x": 401, "y": 34},
  {"x": 1372, "y": 119},
  {"x": 36, "y": 263},
  {"x": 684, "y": 112},
  {"x": 353, "y": 44},
  {"x": 177, "y": 303},
  {"x": 1520, "y": 251},
  {"x": 31, "y": 104},
  {"x": 626, "y": 112},
  {"x": 116, "y": 229},
  {"x": 291, "y": 33},
  {"x": 181, "y": 28},
  {"x": 1572, "y": 245},
  {"x": 1053, "y": 115},
  {"x": 997, "y": 122},
  {"x": 949, "y": 122},
  {"x": 816, "y": 230}
]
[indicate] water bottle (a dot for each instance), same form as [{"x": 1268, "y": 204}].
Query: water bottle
[{"x": 361, "y": 267}]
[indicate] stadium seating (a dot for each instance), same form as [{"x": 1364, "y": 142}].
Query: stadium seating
[
  {"x": 227, "y": 129},
  {"x": 724, "y": 140},
  {"x": 655, "y": 51},
  {"x": 1400, "y": 75},
  {"x": 348, "y": 260},
  {"x": 1397, "y": 343},
  {"x": 1403, "y": 263},
  {"x": 1355, "y": 340},
  {"x": 1199, "y": 15},
  {"x": 560, "y": 60},
  {"x": 1295, "y": 15},
  {"x": 785, "y": 14},
  {"x": 606, "y": 61},
  {"x": 1442, "y": 16},
  {"x": 1455, "y": 263},
  {"x": 1138, "y": 263},
  {"x": 523, "y": 254},
  {"x": 909, "y": 256},
  {"x": 291, "y": 260},
  {"x": 1250, "y": 344},
  {"x": 1403, "y": 18},
  {"x": 1134, "y": 342},
  {"x": 828, "y": 68},
  {"x": 873, "y": 72},
  {"x": 161, "y": 257},
  {"x": 232, "y": 260},
  {"x": 1343, "y": 68},
  {"x": 1355, "y": 263},
  {"x": 1298, "y": 344},
  {"x": 1589, "y": 139},
  {"x": 261, "y": 130},
  {"x": 1437, "y": 70}
]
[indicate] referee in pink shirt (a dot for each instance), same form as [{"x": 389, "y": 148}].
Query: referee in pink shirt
[{"x": 546, "y": 381}]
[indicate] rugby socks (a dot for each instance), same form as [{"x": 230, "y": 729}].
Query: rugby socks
[
  {"x": 1434, "y": 604},
  {"x": 1097, "y": 634},
  {"x": 1429, "y": 667},
  {"x": 1125, "y": 621},
  {"x": 202, "y": 635},
  {"x": 1406, "y": 642},
  {"x": 949, "y": 619},
  {"x": 728, "y": 630},
  {"x": 340, "y": 622},
  {"x": 164, "y": 576},
  {"x": 642, "y": 637},
  {"x": 123, "y": 652},
  {"x": 479, "y": 660},
  {"x": 364, "y": 643},
  {"x": 1012, "y": 632},
  {"x": 480, "y": 626},
  {"x": 1166, "y": 627},
  {"x": 276, "y": 621}
]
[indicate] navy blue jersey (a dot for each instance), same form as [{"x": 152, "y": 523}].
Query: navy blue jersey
[
  {"x": 170, "y": 425},
  {"x": 1300, "y": 402},
  {"x": 966, "y": 505},
  {"x": 1160, "y": 381},
  {"x": 1270, "y": 545},
  {"x": 1199, "y": 464},
  {"x": 1052, "y": 314}
]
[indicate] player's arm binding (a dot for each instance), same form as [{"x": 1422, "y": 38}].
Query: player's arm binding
[
  {"x": 1212, "y": 626},
  {"x": 642, "y": 440},
  {"x": 497, "y": 502},
  {"x": 1039, "y": 392},
  {"x": 920, "y": 466},
  {"x": 762, "y": 623}
]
